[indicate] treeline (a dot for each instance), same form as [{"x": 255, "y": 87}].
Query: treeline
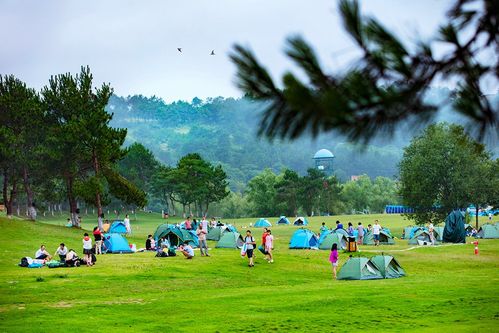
[{"x": 58, "y": 143}]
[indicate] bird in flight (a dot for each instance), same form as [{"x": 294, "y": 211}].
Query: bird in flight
[
  {"x": 179, "y": 49},
  {"x": 212, "y": 52}
]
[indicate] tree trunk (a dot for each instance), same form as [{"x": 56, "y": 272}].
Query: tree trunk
[
  {"x": 29, "y": 196},
  {"x": 172, "y": 205},
  {"x": 9, "y": 202},
  {"x": 72, "y": 201},
  {"x": 476, "y": 216},
  {"x": 98, "y": 202}
]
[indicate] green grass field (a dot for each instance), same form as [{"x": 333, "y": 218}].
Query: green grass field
[{"x": 447, "y": 287}]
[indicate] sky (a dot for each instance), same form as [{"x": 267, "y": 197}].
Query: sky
[{"x": 133, "y": 44}]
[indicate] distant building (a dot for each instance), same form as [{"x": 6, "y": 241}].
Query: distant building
[
  {"x": 324, "y": 161},
  {"x": 354, "y": 178}
]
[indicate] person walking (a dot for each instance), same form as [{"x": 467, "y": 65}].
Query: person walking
[
  {"x": 269, "y": 245},
  {"x": 250, "y": 245},
  {"x": 127, "y": 225},
  {"x": 203, "y": 247},
  {"x": 333, "y": 258},
  {"x": 431, "y": 229},
  {"x": 360, "y": 234},
  {"x": 376, "y": 232},
  {"x": 350, "y": 229},
  {"x": 87, "y": 249}
]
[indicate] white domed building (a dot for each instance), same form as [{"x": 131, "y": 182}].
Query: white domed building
[{"x": 324, "y": 161}]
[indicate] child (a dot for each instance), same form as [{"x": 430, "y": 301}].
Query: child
[
  {"x": 87, "y": 249},
  {"x": 333, "y": 258},
  {"x": 269, "y": 244}
]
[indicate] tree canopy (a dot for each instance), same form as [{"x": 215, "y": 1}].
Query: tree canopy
[{"x": 387, "y": 87}]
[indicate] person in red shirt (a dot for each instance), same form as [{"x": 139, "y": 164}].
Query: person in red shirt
[
  {"x": 98, "y": 240},
  {"x": 264, "y": 240},
  {"x": 187, "y": 223}
]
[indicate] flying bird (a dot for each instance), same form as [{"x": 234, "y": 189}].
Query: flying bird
[
  {"x": 179, "y": 49},
  {"x": 212, "y": 52}
]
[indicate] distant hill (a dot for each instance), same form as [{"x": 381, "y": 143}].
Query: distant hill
[{"x": 224, "y": 131}]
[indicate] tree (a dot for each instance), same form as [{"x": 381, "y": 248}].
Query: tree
[
  {"x": 21, "y": 137},
  {"x": 261, "y": 193},
  {"x": 388, "y": 85},
  {"x": 139, "y": 166},
  {"x": 439, "y": 170},
  {"x": 311, "y": 185},
  {"x": 484, "y": 185},
  {"x": 287, "y": 189}
]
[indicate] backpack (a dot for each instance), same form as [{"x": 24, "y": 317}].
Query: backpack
[
  {"x": 161, "y": 254},
  {"x": 24, "y": 262}
]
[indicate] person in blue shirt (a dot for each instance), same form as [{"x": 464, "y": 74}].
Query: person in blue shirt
[
  {"x": 339, "y": 225},
  {"x": 323, "y": 228}
]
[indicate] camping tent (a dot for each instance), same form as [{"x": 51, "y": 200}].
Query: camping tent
[
  {"x": 359, "y": 268},
  {"x": 116, "y": 243},
  {"x": 262, "y": 223},
  {"x": 230, "y": 240},
  {"x": 439, "y": 233},
  {"x": 118, "y": 227},
  {"x": 215, "y": 233},
  {"x": 454, "y": 228},
  {"x": 283, "y": 220},
  {"x": 488, "y": 231},
  {"x": 175, "y": 235},
  {"x": 384, "y": 238},
  {"x": 300, "y": 221},
  {"x": 388, "y": 266},
  {"x": 409, "y": 231},
  {"x": 421, "y": 235},
  {"x": 327, "y": 239},
  {"x": 303, "y": 239},
  {"x": 342, "y": 232}
]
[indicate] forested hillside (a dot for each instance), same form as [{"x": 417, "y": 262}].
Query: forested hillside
[{"x": 225, "y": 131}]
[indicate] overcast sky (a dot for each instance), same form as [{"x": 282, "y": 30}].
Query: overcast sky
[{"x": 133, "y": 44}]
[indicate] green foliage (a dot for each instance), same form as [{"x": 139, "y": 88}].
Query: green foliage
[
  {"x": 365, "y": 195},
  {"x": 441, "y": 171},
  {"x": 124, "y": 190},
  {"x": 262, "y": 192},
  {"x": 387, "y": 86},
  {"x": 139, "y": 166}
]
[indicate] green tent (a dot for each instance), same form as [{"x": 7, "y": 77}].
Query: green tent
[
  {"x": 388, "y": 266},
  {"x": 488, "y": 231},
  {"x": 359, "y": 268},
  {"x": 422, "y": 235},
  {"x": 215, "y": 233},
  {"x": 326, "y": 241},
  {"x": 454, "y": 228},
  {"x": 439, "y": 233},
  {"x": 384, "y": 238},
  {"x": 171, "y": 232},
  {"x": 230, "y": 240}
]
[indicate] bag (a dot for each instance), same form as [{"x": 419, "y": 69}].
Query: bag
[
  {"x": 35, "y": 265},
  {"x": 54, "y": 264},
  {"x": 24, "y": 262},
  {"x": 243, "y": 250},
  {"x": 161, "y": 254},
  {"x": 262, "y": 249}
]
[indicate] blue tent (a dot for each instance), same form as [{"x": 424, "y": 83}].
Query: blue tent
[
  {"x": 115, "y": 243},
  {"x": 300, "y": 221},
  {"x": 303, "y": 239},
  {"x": 231, "y": 228},
  {"x": 262, "y": 223},
  {"x": 118, "y": 227},
  {"x": 283, "y": 220}
]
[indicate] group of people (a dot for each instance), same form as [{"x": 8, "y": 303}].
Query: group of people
[
  {"x": 266, "y": 247},
  {"x": 361, "y": 231}
]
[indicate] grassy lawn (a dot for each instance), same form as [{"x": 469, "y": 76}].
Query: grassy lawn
[{"x": 447, "y": 287}]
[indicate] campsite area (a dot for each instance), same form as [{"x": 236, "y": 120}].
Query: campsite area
[{"x": 445, "y": 285}]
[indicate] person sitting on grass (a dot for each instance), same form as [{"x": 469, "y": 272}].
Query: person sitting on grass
[
  {"x": 150, "y": 243},
  {"x": 62, "y": 250},
  {"x": 71, "y": 259},
  {"x": 187, "y": 251},
  {"x": 43, "y": 254}
]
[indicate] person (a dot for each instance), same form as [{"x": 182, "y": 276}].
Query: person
[
  {"x": 431, "y": 229},
  {"x": 204, "y": 224},
  {"x": 203, "y": 246},
  {"x": 323, "y": 228},
  {"x": 87, "y": 249},
  {"x": 262, "y": 247},
  {"x": 187, "y": 251},
  {"x": 127, "y": 225},
  {"x": 150, "y": 243},
  {"x": 250, "y": 245},
  {"x": 62, "y": 251},
  {"x": 71, "y": 259},
  {"x": 350, "y": 229},
  {"x": 360, "y": 234},
  {"x": 213, "y": 222},
  {"x": 187, "y": 223},
  {"x": 269, "y": 245},
  {"x": 164, "y": 243},
  {"x": 376, "y": 232},
  {"x": 490, "y": 217},
  {"x": 339, "y": 225},
  {"x": 42, "y": 253},
  {"x": 369, "y": 228},
  {"x": 333, "y": 258},
  {"x": 98, "y": 240}
]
